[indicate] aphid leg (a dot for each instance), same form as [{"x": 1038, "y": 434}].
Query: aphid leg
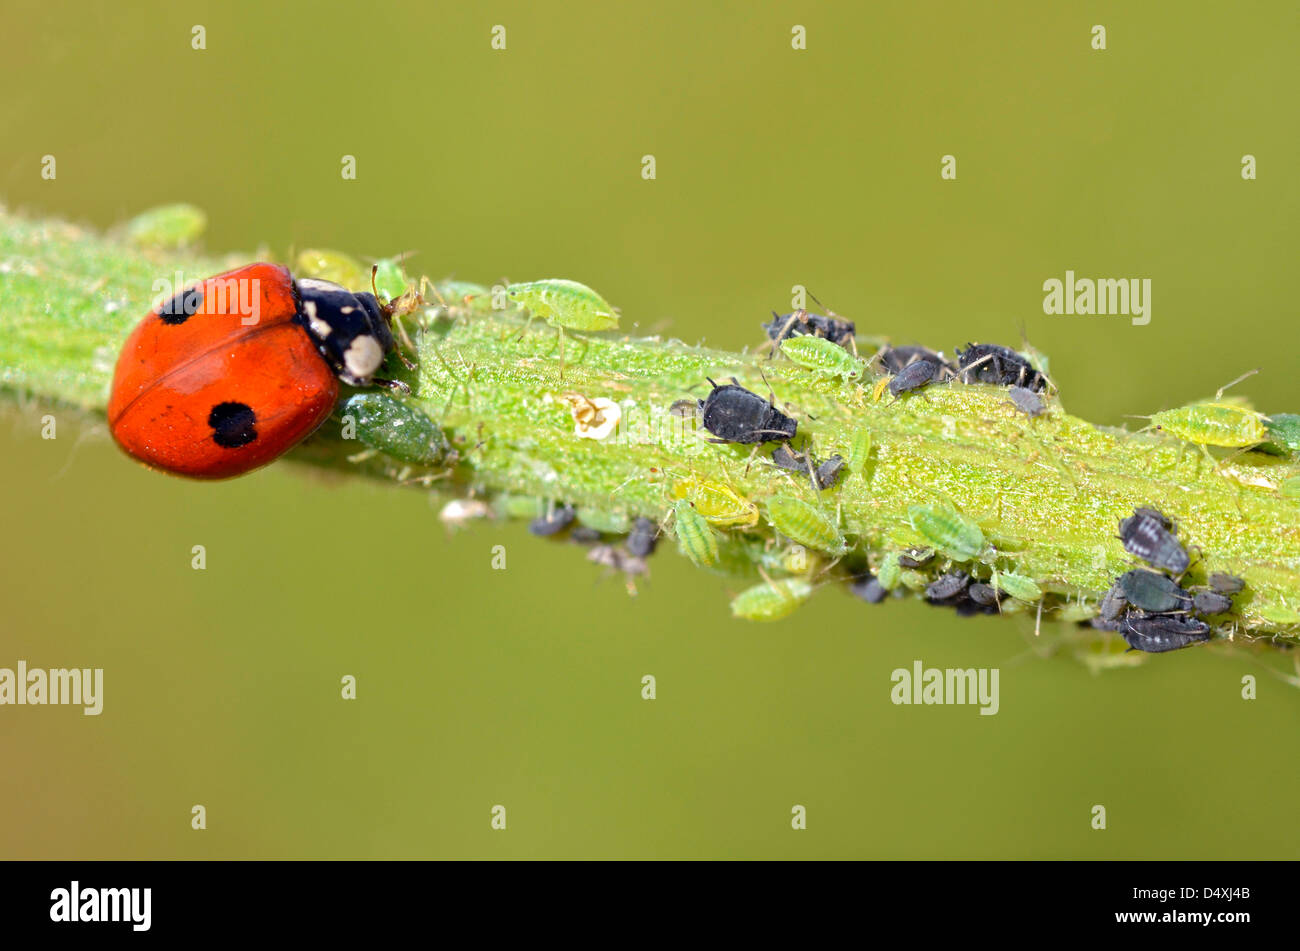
[
  {"x": 1038, "y": 624},
  {"x": 776, "y": 341},
  {"x": 964, "y": 374},
  {"x": 363, "y": 455}
]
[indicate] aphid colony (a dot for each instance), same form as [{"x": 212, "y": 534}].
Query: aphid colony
[{"x": 1149, "y": 608}]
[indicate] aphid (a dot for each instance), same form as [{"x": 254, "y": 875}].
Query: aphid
[
  {"x": 947, "y": 586},
  {"x": 1113, "y": 604},
  {"x": 584, "y": 535},
  {"x": 1283, "y": 434},
  {"x": 821, "y": 356},
  {"x": 719, "y": 504},
  {"x": 869, "y": 589},
  {"x": 1018, "y": 586},
  {"x": 167, "y": 226},
  {"x": 1155, "y": 634},
  {"x": 694, "y": 536},
  {"x": 333, "y": 266},
  {"x": 396, "y": 429},
  {"x": 1224, "y": 583},
  {"x": 1148, "y": 535},
  {"x": 801, "y": 522},
  {"x": 914, "y": 580},
  {"x": 1229, "y": 425},
  {"x": 564, "y": 305},
  {"x": 888, "y": 574},
  {"x": 1278, "y": 614},
  {"x": 828, "y": 473},
  {"x": 553, "y": 522},
  {"x": 859, "y": 452},
  {"x": 684, "y": 409},
  {"x": 783, "y": 327},
  {"x": 1026, "y": 400},
  {"x": 913, "y": 377},
  {"x": 982, "y": 594},
  {"x": 916, "y": 557},
  {"x": 1001, "y": 366},
  {"x": 897, "y": 359},
  {"x": 644, "y": 537},
  {"x": 771, "y": 600},
  {"x": 734, "y": 414},
  {"x": 1153, "y": 592},
  {"x": 947, "y": 530},
  {"x": 1211, "y": 602},
  {"x": 611, "y": 557}
]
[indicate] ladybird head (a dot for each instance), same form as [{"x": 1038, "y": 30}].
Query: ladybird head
[{"x": 350, "y": 329}]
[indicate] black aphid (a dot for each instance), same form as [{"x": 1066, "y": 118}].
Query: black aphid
[
  {"x": 913, "y": 377},
  {"x": 828, "y": 473},
  {"x": 584, "y": 535},
  {"x": 916, "y": 557},
  {"x": 734, "y": 414},
  {"x": 868, "y": 589},
  {"x": 553, "y": 522},
  {"x": 947, "y": 586},
  {"x": 1211, "y": 602},
  {"x": 1113, "y": 604},
  {"x": 1001, "y": 366},
  {"x": 1225, "y": 583},
  {"x": 1148, "y": 535},
  {"x": 643, "y": 538},
  {"x": 897, "y": 359},
  {"x": 802, "y": 322},
  {"x": 824, "y": 475},
  {"x": 1153, "y": 592},
  {"x": 982, "y": 594},
  {"x": 1157, "y": 633},
  {"x": 1026, "y": 400}
]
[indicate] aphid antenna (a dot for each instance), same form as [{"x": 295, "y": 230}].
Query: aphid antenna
[{"x": 1246, "y": 375}]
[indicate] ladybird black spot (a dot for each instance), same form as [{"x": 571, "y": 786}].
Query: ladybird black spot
[
  {"x": 232, "y": 425},
  {"x": 181, "y": 307}
]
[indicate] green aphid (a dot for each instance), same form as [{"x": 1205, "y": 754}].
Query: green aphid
[
  {"x": 1076, "y": 611},
  {"x": 888, "y": 572},
  {"x": 947, "y": 531},
  {"x": 694, "y": 536},
  {"x": 511, "y": 506},
  {"x": 167, "y": 226},
  {"x": 391, "y": 280},
  {"x": 1018, "y": 586},
  {"x": 1290, "y": 488},
  {"x": 859, "y": 452},
  {"x": 333, "y": 266},
  {"x": 771, "y": 601},
  {"x": 396, "y": 429},
  {"x": 913, "y": 580},
  {"x": 457, "y": 299},
  {"x": 1278, "y": 614},
  {"x": 1230, "y": 425},
  {"x": 801, "y": 522},
  {"x": 1283, "y": 434},
  {"x": 564, "y": 304},
  {"x": 821, "y": 356}
]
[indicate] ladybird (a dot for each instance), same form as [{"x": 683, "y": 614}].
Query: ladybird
[{"x": 235, "y": 371}]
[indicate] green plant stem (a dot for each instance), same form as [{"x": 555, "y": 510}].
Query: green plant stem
[{"x": 1048, "y": 492}]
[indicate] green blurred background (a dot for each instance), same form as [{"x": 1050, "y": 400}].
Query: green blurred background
[{"x": 522, "y": 687}]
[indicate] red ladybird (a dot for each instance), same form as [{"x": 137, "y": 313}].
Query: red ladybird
[{"x": 233, "y": 372}]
